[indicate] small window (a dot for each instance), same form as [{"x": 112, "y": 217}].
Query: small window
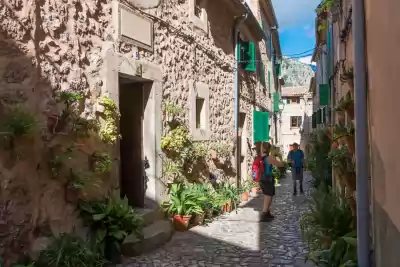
[
  {"x": 200, "y": 113},
  {"x": 295, "y": 121},
  {"x": 198, "y": 10}
]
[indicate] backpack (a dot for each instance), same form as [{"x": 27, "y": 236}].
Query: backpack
[{"x": 258, "y": 169}]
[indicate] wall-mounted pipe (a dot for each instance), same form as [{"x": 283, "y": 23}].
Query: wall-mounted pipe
[
  {"x": 361, "y": 134},
  {"x": 235, "y": 37}
]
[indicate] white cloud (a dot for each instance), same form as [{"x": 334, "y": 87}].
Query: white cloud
[
  {"x": 293, "y": 13},
  {"x": 306, "y": 60}
]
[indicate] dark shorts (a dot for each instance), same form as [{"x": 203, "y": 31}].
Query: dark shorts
[
  {"x": 268, "y": 187},
  {"x": 297, "y": 174}
]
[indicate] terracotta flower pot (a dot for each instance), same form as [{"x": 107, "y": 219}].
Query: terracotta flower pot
[
  {"x": 342, "y": 140},
  {"x": 351, "y": 144},
  {"x": 350, "y": 111},
  {"x": 341, "y": 116},
  {"x": 335, "y": 145},
  {"x": 181, "y": 223},
  {"x": 245, "y": 196}
]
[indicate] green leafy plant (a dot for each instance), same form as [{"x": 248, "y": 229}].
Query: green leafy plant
[
  {"x": 230, "y": 193},
  {"x": 172, "y": 109},
  {"x": 329, "y": 217},
  {"x": 101, "y": 162},
  {"x": 70, "y": 251},
  {"x": 342, "y": 253},
  {"x": 183, "y": 201},
  {"x": 344, "y": 102},
  {"x": 176, "y": 140},
  {"x": 224, "y": 150},
  {"x": 111, "y": 221},
  {"x": 79, "y": 179},
  {"x": 109, "y": 129},
  {"x": 58, "y": 163},
  {"x": 318, "y": 161},
  {"x": 18, "y": 123},
  {"x": 342, "y": 160},
  {"x": 347, "y": 75}
]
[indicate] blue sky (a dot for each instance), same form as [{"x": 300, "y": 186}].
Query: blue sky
[{"x": 296, "y": 19}]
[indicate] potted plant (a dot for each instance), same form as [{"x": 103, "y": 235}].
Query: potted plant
[
  {"x": 245, "y": 191},
  {"x": 111, "y": 221},
  {"x": 202, "y": 195},
  {"x": 347, "y": 76},
  {"x": 340, "y": 133},
  {"x": 182, "y": 205}
]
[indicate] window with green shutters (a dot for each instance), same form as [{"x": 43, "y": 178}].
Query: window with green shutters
[
  {"x": 276, "y": 99},
  {"x": 262, "y": 74},
  {"x": 314, "y": 120},
  {"x": 247, "y": 55},
  {"x": 269, "y": 80},
  {"x": 278, "y": 69},
  {"x": 260, "y": 126},
  {"x": 319, "y": 116},
  {"x": 324, "y": 94}
]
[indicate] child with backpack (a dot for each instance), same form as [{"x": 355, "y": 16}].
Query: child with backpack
[{"x": 262, "y": 173}]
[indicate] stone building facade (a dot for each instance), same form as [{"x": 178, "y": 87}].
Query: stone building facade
[
  {"x": 296, "y": 117},
  {"x": 140, "y": 57}
]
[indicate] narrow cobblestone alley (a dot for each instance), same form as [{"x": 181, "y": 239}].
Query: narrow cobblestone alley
[{"x": 239, "y": 239}]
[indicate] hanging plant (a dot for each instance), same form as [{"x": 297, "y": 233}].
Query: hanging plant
[
  {"x": 109, "y": 128},
  {"x": 346, "y": 104},
  {"x": 339, "y": 133},
  {"x": 18, "y": 123},
  {"x": 343, "y": 165},
  {"x": 100, "y": 162},
  {"x": 347, "y": 76},
  {"x": 171, "y": 111}
]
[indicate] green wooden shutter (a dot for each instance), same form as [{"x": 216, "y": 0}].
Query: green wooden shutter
[
  {"x": 319, "y": 116},
  {"x": 276, "y": 100},
  {"x": 278, "y": 69},
  {"x": 324, "y": 94},
  {"x": 260, "y": 126},
  {"x": 269, "y": 80},
  {"x": 250, "y": 64},
  {"x": 262, "y": 74},
  {"x": 314, "y": 120}
]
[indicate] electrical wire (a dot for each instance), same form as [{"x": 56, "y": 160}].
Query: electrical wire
[{"x": 298, "y": 54}]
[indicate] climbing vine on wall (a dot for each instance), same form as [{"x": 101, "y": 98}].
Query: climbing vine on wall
[{"x": 109, "y": 129}]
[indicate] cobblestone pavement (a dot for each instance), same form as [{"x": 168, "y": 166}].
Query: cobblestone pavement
[{"x": 239, "y": 239}]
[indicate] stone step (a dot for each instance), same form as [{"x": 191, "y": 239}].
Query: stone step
[
  {"x": 155, "y": 235},
  {"x": 150, "y": 216}
]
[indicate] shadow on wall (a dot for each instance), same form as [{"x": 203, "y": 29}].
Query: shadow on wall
[
  {"x": 51, "y": 153},
  {"x": 387, "y": 235}
]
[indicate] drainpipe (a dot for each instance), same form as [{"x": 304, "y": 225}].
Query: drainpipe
[
  {"x": 237, "y": 22},
  {"x": 361, "y": 135}
]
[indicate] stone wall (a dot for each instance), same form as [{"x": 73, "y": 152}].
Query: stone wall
[
  {"x": 46, "y": 46},
  {"x": 49, "y": 46}
]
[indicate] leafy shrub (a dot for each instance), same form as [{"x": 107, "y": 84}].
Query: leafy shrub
[
  {"x": 329, "y": 218},
  {"x": 183, "y": 201},
  {"x": 70, "y": 251},
  {"x": 111, "y": 221},
  {"x": 101, "y": 162},
  {"x": 18, "y": 122}
]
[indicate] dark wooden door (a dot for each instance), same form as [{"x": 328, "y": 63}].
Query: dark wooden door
[{"x": 131, "y": 145}]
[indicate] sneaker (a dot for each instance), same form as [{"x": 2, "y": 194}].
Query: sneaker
[
  {"x": 301, "y": 192},
  {"x": 295, "y": 193},
  {"x": 266, "y": 217},
  {"x": 269, "y": 215}
]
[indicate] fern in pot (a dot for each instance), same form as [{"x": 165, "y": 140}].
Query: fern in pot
[
  {"x": 182, "y": 205},
  {"x": 111, "y": 222}
]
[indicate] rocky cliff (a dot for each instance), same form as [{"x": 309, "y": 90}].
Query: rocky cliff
[{"x": 296, "y": 73}]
